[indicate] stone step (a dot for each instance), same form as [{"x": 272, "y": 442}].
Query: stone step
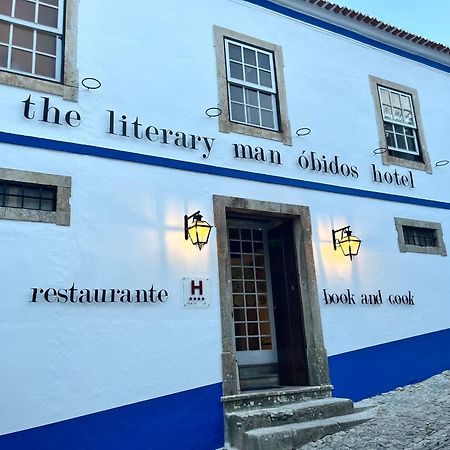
[
  {"x": 274, "y": 397},
  {"x": 292, "y": 436},
  {"x": 244, "y": 420}
]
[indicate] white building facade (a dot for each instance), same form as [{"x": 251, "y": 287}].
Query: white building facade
[{"x": 280, "y": 122}]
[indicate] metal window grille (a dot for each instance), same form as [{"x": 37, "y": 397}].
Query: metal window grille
[
  {"x": 27, "y": 196},
  {"x": 252, "y": 89},
  {"x": 31, "y": 35},
  {"x": 422, "y": 237}
]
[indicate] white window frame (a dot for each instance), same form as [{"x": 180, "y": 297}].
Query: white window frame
[
  {"x": 66, "y": 81},
  {"x": 418, "y": 159},
  {"x": 259, "y": 88},
  {"x": 282, "y": 131}
]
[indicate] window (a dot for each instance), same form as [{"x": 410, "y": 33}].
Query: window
[
  {"x": 399, "y": 125},
  {"x": 420, "y": 236},
  {"x": 251, "y": 87},
  {"x": 35, "y": 197},
  {"x": 35, "y": 50}
]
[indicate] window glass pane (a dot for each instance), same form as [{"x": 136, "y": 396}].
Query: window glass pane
[
  {"x": 237, "y": 112},
  {"x": 234, "y": 52},
  {"x": 237, "y": 93},
  {"x": 21, "y": 60},
  {"x": 267, "y": 119},
  {"x": 239, "y": 329},
  {"x": 411, "y": 144},
  {"x": 390, "y": 139},
  {"x": 250, "y": 300},
  {"x": 4, "y": 32},
  {"x": 263, "y": 61},
  {"x": 31, "y": 191},
  {"x": 6, "y": 7},
  {"x": 253, "y": 344},
  {"x": 395, "y": 99},
  {"x": 48, "y": 16},
  {"x": 46, "y": 66},
  {"x": 252, "y": 314},
  {"x": 13, "y": 202},
  {"x": 265, "y": 79},
  {"x": 250, "y": 56},
  {"x": 239, "y": 314},
  {"x": 398, "y": 115},
  {"x": 253, "y": 115},
  {"x": 251, "y": 75},
  {"x": 252, "y": 97},
  {"x": 265, "y": 328},
  {"x": 265, "y": 101},
  {"x": 31, "y": 203},
  {"x": 252, "y": 329},
  {"x": 387, "y": 112},
  {"x": 401, "y": 142},
  {"x": 408, "y": 117},
  {"x": 46, "y": 43},
  {"x": 25, "y": 10},
  {"x": 3, "y": 56},
  {"x": 385, "y": 97},
  {"x": 241, "y": 344},
  {"x": 23, "y": 37},
  {"x": 263, "y": 314},
  {"x": 406, "y": 102},
  {"x": 236, "y": 71}
]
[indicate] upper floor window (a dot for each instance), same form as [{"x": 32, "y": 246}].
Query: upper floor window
[
  {"x": 31, "y": 34},
  {"x": 251, "y": 86},
  {"x": 37, "y": 45},
  {"x": 399, "y": 125},
  {"x": 252, "y": 91}
]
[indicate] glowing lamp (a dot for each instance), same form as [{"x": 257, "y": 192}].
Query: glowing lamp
[
  {"x": 348, "y": 243},
  {"x": 197, "y": 230}
]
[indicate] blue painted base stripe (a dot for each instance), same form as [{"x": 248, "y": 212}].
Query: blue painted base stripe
[
  {"x": 374, "y": 370},
  {"x": 83, "y": 149},
  {"x": 191, "y": 420},
  {"x": 285, "y": 11}
]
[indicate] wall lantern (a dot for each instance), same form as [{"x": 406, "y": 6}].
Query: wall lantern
[
  {"x": 198, "y": 230},
  {"x": 349, "y": 244}
]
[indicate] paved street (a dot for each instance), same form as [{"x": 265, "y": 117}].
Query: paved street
[{"x": 411, "y": 418}]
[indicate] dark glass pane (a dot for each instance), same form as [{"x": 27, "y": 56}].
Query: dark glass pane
[
  {"x": 252, "y": 97},
  {"x": 4, "y": 32},
  {"x": 250, "y": 56},
  {"x": 257, "y": 235},
  {"x": 390, "y": 139},
  {"x": 6, "y": 7},
  {"x": 21, "y": 60},
  {"x": 235, "y": 259},
  {"x": 252, "y": 329},
  {"x": 233, "y": 233},
  {"x": 262, "y": 300},
  {"x": 251, "y": 74},
  {"x": 249, "y": 274},
  {"x": 246, "y": 234},
  {"x": 252, "y": 315},
  {"x": 31, "y": 191},
  {"x": 23, "y": 37},
  {"x": 411, "y": 144},
  {"x": 13, "y": 201},
  {"x": 239, "y": 314},
  {"x": 258, "y": 247},
  {"x": 263, "y": 61},
  {"x": 47, "y": 205},
  {"x": 265, "y": 101},
  {"x": 238, "y": 300},
  {"x": 265, "y": 328},
  {"x": 246, "y": 247},
  {"x": 46, "y": 43},
  {"x": 50, "y": 2},
  {"x": 25, "y": 10},
  {"x": 250, "y": 300},
  {"x": 237, "y": 112},
  {"x": 235, "y": 246},
  {"x": 236, "y": 71},
  {"x": 265, "y": 79},
  {"x": 237, "y": 286},
  {"x": 267, "y": 119},
  {"x": 259, "y": 260},
  {"x": 263, "y": 314},
  {"x": 247, "y": 260},
  {"x": 241, "y": 344},
  {"x": 46, "y": 66},
  {"x": 261, "y": 285},
  {"x": 253, "y": 115},
  {"x": 31, "y": 203},
  {"x": 236, "y": 273},
  {"x": 48, "y": 16},
  {"x": 48, "y": 193},
  {"x": 401, "y": 142},
  {"x": 260, "y": 274},
  {"x": 249, "y": 286},
  {"x": 237, "y": 93},
  {"x": 253, "y": 344},
  {"x": 234, "y": 52},
  {"x": 239, "y": 329},
  {"x": 266, "y": 343},
  {"x": 3, "y": 56}
]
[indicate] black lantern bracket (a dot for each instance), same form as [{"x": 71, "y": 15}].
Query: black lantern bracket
[
  {"x": 344, "y": 235},
  {"x": 195, "y": 217}
]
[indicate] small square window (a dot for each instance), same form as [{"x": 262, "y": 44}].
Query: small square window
[{"x": 420, "y": 236}]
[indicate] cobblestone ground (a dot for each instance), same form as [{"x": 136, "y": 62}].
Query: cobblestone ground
[{"x": 410, "y": 418}]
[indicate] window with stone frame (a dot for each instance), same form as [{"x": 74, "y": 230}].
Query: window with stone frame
[
  {"x": 37, "y": 45},
  {"x": 400, "y": 126}
]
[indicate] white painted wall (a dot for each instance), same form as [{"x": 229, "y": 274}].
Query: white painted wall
[{"x": 157, "y": 61}]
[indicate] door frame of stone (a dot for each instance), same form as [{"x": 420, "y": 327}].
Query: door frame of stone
[{"x": 317, "y": 361}]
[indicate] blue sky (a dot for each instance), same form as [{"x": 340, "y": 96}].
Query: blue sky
[{"x": 430, "y": 19}]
